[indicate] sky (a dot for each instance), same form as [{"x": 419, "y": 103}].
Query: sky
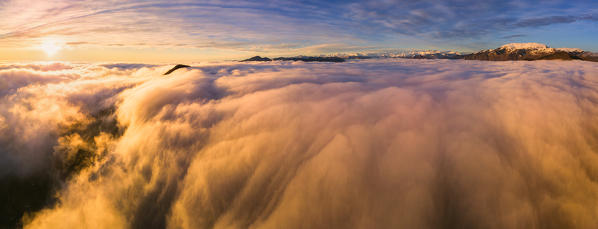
[{"x": 193, "y": 31}]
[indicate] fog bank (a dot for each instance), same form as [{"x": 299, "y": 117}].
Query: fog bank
[{"x": 366, "y": 144}]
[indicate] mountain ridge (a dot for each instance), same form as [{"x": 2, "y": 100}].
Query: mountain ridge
[
  {"x": 507, "y": 52},
  {"x": 529, "y": 52}
]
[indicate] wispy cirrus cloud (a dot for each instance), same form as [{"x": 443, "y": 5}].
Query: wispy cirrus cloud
[
  {"x": 200, "y": 24},
  {"x": 544, "y": 21},
  {"x": 450, "y": 19},
  {"x": 513, "y": 36}
]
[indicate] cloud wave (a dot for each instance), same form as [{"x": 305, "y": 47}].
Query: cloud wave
[{"x": 365, "y": 144}]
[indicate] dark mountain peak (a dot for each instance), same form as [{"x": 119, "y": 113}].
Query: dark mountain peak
[
  {"x": 176, "y": 67},
  {"x": 257, "y": 58}
]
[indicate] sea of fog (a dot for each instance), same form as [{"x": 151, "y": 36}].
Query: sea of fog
[{"x": 390, "y": 143}]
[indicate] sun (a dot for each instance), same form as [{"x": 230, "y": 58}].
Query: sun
[{"x": 51, "y": 46}]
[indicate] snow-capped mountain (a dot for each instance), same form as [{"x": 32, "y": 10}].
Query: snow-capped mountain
[
  {"x": 432, "y": 54},
  {"x": 410, "y": 54},
  {"x": 529, "y": 51}
]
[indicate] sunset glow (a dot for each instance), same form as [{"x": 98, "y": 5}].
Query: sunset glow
[{"x": 51, "y": 46}]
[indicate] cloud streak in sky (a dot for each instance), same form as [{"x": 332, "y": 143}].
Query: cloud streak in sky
[
  {"x": 467, "y": 19},
  {"x": 367, "y": 144},
  {"x": 196, "y": 24}
]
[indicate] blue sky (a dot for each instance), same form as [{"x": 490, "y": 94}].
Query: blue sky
[{"x": 235, "y": 29}]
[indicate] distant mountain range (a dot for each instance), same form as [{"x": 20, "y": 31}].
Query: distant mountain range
[
  {"x": 508, "y": 52},
  {"x": 431, "y": 55},
  {"x": 299, "y": 58}
]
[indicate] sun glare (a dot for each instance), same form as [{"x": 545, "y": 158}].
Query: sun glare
[{"x": 51, "y": 46}]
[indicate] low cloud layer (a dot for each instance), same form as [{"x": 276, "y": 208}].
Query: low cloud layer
[{"x": 367, "y": 144}]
